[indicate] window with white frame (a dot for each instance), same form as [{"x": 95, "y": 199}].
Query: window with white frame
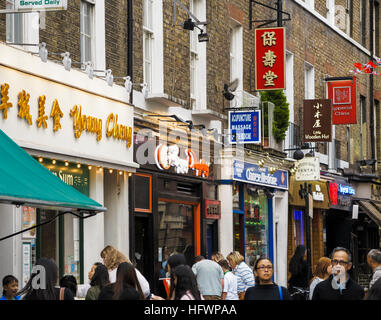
[
  {"x": 87, "y": 31},
  {"x": 194, "y": 8},
  {"x": 330, "y": 5},
  {"x": 14, "y": 25},
  {"x": 236, "y": 59},
  {"x": 289, "y": 92},
  {"x": 309, "y": 82},
  {"x": 310, "y": 3},
  {"x": 148, "y": 36}
]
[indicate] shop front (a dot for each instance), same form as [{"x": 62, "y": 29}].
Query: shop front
[
  {"x": 81, "y": 131},
  {"x": 174, "y": 206},
  {"x": 298, "y": 213},
  {"x": 258, "y": 200}
]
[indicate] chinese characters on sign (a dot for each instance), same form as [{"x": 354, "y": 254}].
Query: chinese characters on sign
[
  {"x": 343, "y": 96},
  {"x": 317, "y": 120},
  {"x": 81, "y": 122},
  {"x": 270, "y": 58}
]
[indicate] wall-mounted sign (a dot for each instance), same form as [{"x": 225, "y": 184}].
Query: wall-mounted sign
[
  {"x": 46, "y": 115},
  {"x": 343, "y": 96},
  {"x": 212, "y": 209},
  {"x": 317, "y": 120},
  {"x": 317, "y": 194},
  {"x": 340, "y": 195},
  {"x": 50, "y": 5},
  {"x": 169, "y": 156},
  {"x": 270, "y": 48},
  {"x": 245, "y": 126},
  {"x": 308, "y": 169},
  {"x": 252, "y": 173}
]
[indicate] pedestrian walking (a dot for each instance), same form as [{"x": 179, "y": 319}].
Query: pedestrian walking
[
  {"x": 229, "y": 291},
  {"x": 374, "y": 261},
  {"x": 210, "y": 278},
  {"x": 374, "y": 292},
  {"x": 299, "y": 273},
  {"x": 174, "y": 260},
  {"x": 217, "y": 256},
  {"x": 265, "y": 288},
  {"x": 46, "y": 273},
  {"x": 339, "y": 285},
  {"x": 99, "y": 280},
  {"x": 185, "y": 284},
  {"x": 126, "y": 278},
  {"x": 245, "y": 276},
  {"x": 112, "y": 258},
  {"x": 70, "y": 282},
  {"x": 82, "y": 289},
  {"x": 322, "y": 271},
  {"x": 10, "y": 288}
]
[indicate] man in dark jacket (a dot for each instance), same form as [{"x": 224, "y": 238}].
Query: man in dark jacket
[{"x": 339, "y": 286}]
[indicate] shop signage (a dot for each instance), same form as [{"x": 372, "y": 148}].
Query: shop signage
[
  {"x": 270, "y": 48},
  {"x": 317, "y": 120},
  {"x": 252, "y": 173},
  {"x": 308, "y": 169},
  {"x": 21, "y": 5},
  {"x": 169, "y": 156},
  {"x": 343, "y": 96},
  {"x": 340, "y": 195},
  {"x": 245, "y": 126},
  {"x": 51, "y": 116},
  {"x": 212, "y": 209},
  {"x": 317, "y": 195}
]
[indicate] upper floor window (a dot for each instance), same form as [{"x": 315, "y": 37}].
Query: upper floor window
[
  {"x": 87, "y": 31},
  {"x": 14, "y": 25},
  {"x": 194, "y": 54},
  {"x": 376, "y": 33},
  {"x": 148, "y": 36},
  {"x": 309, "y": 82},
  {"x": 363, "y": 20}
]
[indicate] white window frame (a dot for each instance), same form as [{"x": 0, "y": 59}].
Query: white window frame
[
  {"x": 91, "y": 35},
  {"x": 311, "y": 4},
  {"x": 194, "y": 55},
  {"x": 236, "y": 55},
  {"x": 330, "y": 5},
  {"x": 309, "y": 81},
  {"x": 289, "y": 92}
]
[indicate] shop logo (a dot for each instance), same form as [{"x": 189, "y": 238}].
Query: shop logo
[{"x": 168, "y": 156}]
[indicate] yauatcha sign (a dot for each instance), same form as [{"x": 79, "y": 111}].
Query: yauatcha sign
[
  {"x": 41, "y": 5},
  {"x": 245, "y": 126},
  {"x": 252, "y": 173}
]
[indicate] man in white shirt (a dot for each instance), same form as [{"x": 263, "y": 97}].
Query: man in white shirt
[{"x": 229, "y": 291}]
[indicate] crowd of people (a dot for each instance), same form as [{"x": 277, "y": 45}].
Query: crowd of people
[{"x": 219, "y": 278}]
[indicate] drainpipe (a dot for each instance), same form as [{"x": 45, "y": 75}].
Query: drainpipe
[
  {"x": 371, "y": 84},
  {"x": 130, "y": 43}
]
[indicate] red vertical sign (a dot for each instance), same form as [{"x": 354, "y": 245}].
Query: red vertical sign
[
  {"x": 343, "y": 96},
  {"x": 270, "y": 47}
]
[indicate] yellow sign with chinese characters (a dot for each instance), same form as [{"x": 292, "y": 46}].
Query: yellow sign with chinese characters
[{"x": 81, "y": 122}]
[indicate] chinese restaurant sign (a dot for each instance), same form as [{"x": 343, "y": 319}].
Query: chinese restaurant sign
[
  {"x": 343, "y": 96},
  {"x": 47, "y": 115},
  {"x": 317, "y": 120},
  {"x": 245, "y": 126},
  {"x": 252, "y": 173},
  {"x": 270, "y": 47}
]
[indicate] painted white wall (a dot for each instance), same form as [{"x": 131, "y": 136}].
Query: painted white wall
[
  {"x": 225, "y": 224},
  {"x": 10, "y": 249},
  {"x": 116, "y": 219},
  {"x": 280, "y": 230},
  {"x": 93, "y": 228}
]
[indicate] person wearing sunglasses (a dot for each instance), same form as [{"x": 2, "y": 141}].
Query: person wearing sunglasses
[
  {"x": 265, "y": 288},
  {"x": 339, "y": 285}
]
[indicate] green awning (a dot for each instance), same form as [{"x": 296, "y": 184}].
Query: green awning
[{"x": 24, "y": 181}]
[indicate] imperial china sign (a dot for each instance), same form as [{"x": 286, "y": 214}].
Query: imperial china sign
[{"x": 270, "y": 56}]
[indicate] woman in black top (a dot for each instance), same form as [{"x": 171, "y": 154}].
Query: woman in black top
[
  {"x": 299, "y": 271},
  {"x": 265, "y": 288},
  {"x": 48, "y": 268}
]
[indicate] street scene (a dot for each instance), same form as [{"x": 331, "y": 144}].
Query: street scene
[{"x": 208, "y": 150}]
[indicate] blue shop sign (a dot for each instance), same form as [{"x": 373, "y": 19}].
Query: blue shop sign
[
  {"x": 245, "y": 126},
  {"x": 343, "y": 189},
  {"x": 252, "y": 173}
]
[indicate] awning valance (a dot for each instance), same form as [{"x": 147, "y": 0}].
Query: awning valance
[
  {"x": 372, "y": 209},
  {"x": 24, "y": 181}
]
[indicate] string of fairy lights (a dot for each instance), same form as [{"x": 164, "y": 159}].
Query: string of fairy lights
[{"x": 99, "y": 169}]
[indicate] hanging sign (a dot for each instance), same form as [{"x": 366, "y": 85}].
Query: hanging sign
[
  {"x": 245, "y": 126},
  {"x": 317, "y": 120},
  {"x": 270, "y": 48},
  {"x": 343, "y": 96},
  {"x": 212, "y": 209},
  {"x": 37, "y": 5},
  {"x": 308, "y": 169}
]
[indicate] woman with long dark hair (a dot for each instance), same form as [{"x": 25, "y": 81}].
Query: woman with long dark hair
[
  {"x": 299, "y": 272},
  {"x": 42, "y": 283},
  {"x": 126, "y": 278},
  {"x": 185, "y": 284},
  {"x": 265, "y": 288},
  {"x": 99, "y": 280}
]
